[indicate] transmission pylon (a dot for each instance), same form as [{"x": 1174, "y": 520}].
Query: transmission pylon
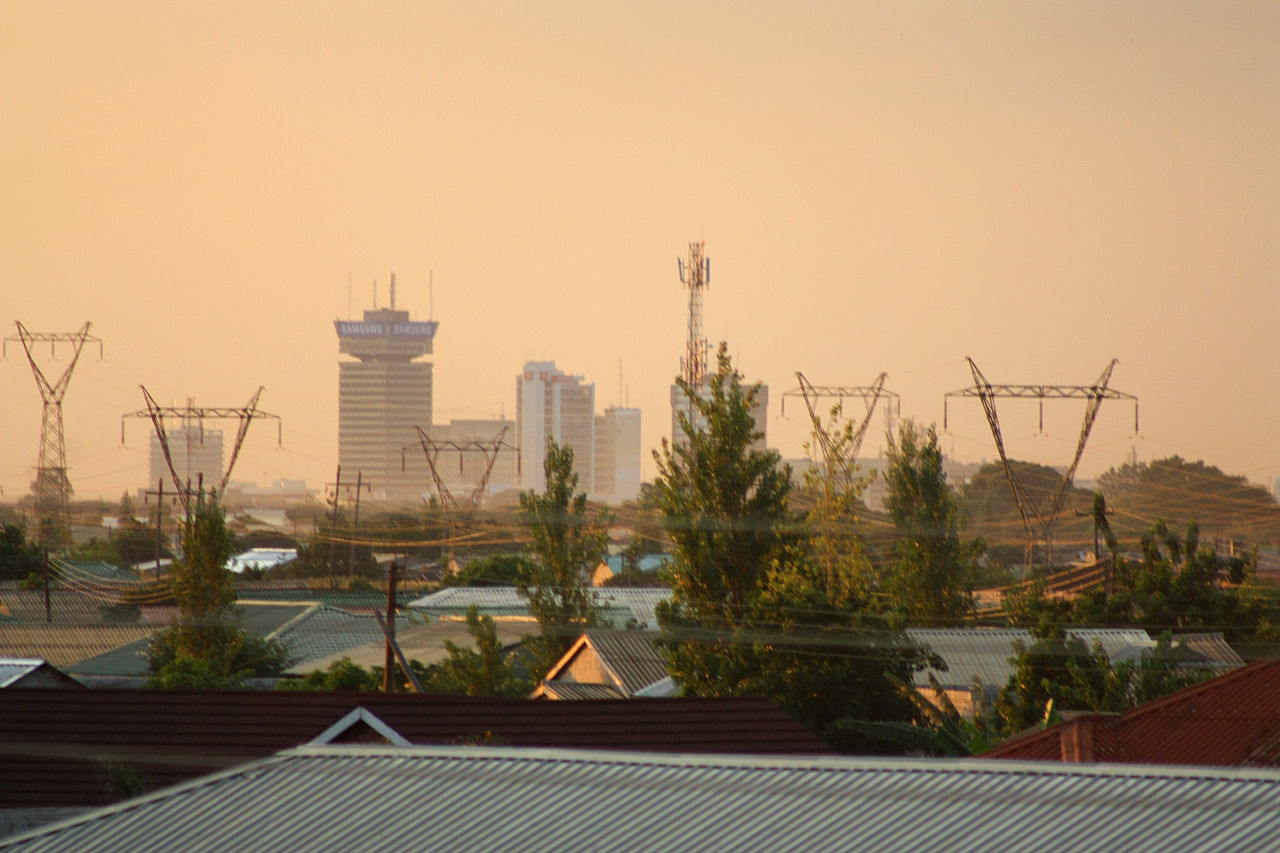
[
  {"x": 870, "y": 395},
  {"x": 199, "y": 414},
  {"x": 52, "y": 486},
  {"x": 1093, "y": 395},
  {"x": 489, "y": 450},
  {"x": 696, "y": 276}
]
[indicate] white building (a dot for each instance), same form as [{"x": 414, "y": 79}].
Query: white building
[
  {"x": 553, "y": 404},
  {"x": 195, "y": 451},
  {"x": 618, "y": 451}
]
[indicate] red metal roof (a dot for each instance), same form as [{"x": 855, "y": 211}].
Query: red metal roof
[
  {"x": 1229, "y": 721},
  {"x": 60, "y": 751}
]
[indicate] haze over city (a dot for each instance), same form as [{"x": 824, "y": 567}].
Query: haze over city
[{"x": 881, "y": 187}]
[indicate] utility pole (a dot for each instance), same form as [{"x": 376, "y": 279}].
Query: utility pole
[
  {"x": 159, "y": 493},
  {"x": 355, "y": 520},
  {"x": 389, "y": 667}
]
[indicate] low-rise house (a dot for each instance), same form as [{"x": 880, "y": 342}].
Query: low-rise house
[
  {"x": 340, "y": 798},
  {"x": 1229, "y": 721},
  {"x": 32, "y": 672},
  {"x": 608, "y": 665},
  {"x": 622, "y": 607},
  {"x": 984, "y": 656}
]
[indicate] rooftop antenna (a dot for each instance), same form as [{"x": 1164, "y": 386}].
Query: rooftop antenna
[
  {"x": 348, "y": 294},
  {"x": 393, "y": 291},
  {"x": 375, "y": 294},
  {"x": 431, "y": 294}
]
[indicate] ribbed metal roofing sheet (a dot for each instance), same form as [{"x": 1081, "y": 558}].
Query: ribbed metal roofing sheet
[
  {"x": 495, "y": 799},
  {"x": 456, "y": 599}
]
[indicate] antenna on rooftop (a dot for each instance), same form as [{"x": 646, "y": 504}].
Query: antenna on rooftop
[
  {"x": 431, "y": 294},
  {"x": 393, "y": 291}
]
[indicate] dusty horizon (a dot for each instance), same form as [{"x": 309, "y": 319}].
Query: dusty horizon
[{"x": 881, "y": 186}]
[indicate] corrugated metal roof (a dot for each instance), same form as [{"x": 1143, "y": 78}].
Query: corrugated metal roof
[
  {"x": 632, "y": 656},
  {"x": 62, "y": 644},
  {"x": 345, "y": 798},
  {"x": 507, "y": 599},
  {"x": 55, "y": 745},
  {"x": 983, "y": 654},
  {"x": 322, "y": 632},
  {"x": 11, "y": 669}
]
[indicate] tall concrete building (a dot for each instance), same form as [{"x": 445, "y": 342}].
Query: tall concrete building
[
  {"x": 759, "y": 414},
  {"x": 384, "y": 391},
  {"x": 554, "y": 404},
  {"x": 617, "y": 469},
  {"x": 195, "y": 452}
]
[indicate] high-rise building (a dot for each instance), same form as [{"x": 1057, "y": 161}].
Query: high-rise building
[
  {"x": 680, "y": 406},
  {"x": 617, "y": 469},
  {"x": 195, "y": 452},
  {"x": 384, "y": 392},
  {"x": 553, "y": 404}
]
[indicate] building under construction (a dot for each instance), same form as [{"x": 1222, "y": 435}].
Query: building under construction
[{"x": 384, "y": 392}]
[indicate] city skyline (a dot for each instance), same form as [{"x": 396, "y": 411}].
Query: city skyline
[{"x": 881, "y": 187}]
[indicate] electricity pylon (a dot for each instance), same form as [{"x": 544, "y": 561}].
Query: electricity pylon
[
  {"x": 52, "y": 487},
  {"x": 245, "y": 415},
  {"x": 870, "y": 395},
  {"x": 1094, "y": 395},
  {"x": 489, "y": 449}
]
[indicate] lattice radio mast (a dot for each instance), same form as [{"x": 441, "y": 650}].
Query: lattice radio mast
[
  {"x": 52, "y": 487},
  {"x": 696, "y": 275}
]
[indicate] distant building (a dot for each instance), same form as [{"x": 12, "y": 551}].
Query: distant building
[
  {"x": 759, "y": 414},
  {"x": 195, "y": 451},
  {"x": 553, "y": 404},
  {"x": 618, "y": 450},
  {"x": 384, "y": 391}
]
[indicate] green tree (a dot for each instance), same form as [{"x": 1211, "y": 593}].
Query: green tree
[
  {"x": 932, "y": 575},
  {"x": 566, "y": 544},
  {"x": 723, "y": 501},
  {"x": 484, "y": 671},
  {"x": 493, "y": 570},
  {"x": 205, "y": 646},
  {"x": 18, "y": 557},
  {"x": 752, "y": 612}
]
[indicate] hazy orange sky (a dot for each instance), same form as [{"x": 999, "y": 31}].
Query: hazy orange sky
[{"x": 882, "y": 187}]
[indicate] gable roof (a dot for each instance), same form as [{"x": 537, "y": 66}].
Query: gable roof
[
  {"x": 56, "y": 746},
  {"x": 1229, "y": 721},
  {"x": 341, "y": 798},
  {"x": 32, "y": 672},
  {"x": 630, "y": 660}
]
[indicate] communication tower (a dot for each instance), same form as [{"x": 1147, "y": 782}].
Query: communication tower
[{"x": 696, "y": 275}]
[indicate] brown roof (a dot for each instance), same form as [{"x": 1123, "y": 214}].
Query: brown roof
[
  {"x": 1229, "y": 721},
  {"x": 63, "y": 644},
  {"x": 60, "y": 751}
]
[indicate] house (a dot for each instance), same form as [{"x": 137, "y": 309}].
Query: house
[
  {"x": 69, "y": 750},
  {"x": 32, "y": 672},
  {"x": 340, "y": 798},
  {"x": 1229, "y": 721},
  {"x": 622, "y": 607},
  {"x": 984, "y": 656},
  {"x": 608, "y": 665}
]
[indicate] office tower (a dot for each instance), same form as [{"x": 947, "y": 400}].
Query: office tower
[
  {"x": 553, "y": 404},
  {"x": 617, "y": 470},
  {"x": 384, "y": 392},
  {"x": 680, "y": 406},
  {"x": 195, "y": 451}
]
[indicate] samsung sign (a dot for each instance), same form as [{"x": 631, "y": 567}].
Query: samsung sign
[{"x": 356, "y": 329}]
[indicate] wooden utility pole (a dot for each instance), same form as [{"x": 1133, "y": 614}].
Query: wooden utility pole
[
  {"x": 48, "y": 607},
  {"x": 159, "y": 493},
  {"x": 388, "y": 682}
]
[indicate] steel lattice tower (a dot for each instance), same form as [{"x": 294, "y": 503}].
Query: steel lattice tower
[
  {"x": 696, "y": 276},
  {"x": 52, "y": 487}
]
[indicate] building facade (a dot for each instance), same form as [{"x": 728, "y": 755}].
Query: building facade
[
  {"x": 196, "y": 452},
  {"x": 617, "y": 468},
  {"x": 551, "y": 404},
  {"x": 384, "y": 392}
]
